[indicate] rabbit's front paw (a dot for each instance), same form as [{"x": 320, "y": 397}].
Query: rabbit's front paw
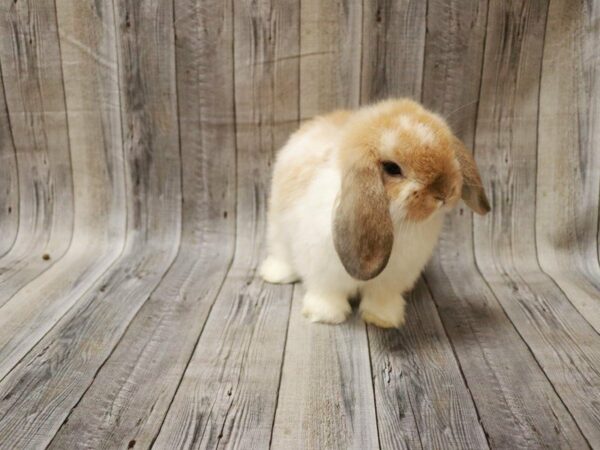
[
  {"x": 384, "y": 312},
  {"x": 326, "y": 308},
  {"x": 274, "y": 270}
]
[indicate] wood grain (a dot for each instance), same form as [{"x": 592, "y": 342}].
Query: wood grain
[
  {"x": 392, "y": 49},
  {"x": 421, "y": 397},
  {"x": 30, "y": 58},
  {"x": 495, "y": 362},
  {"x": 136, "y": 143},
  {"x": 88, "y": 49},
  {"x": 51, "y": 379},
  {"x": 160, "y": 340},
  {"x": 229, "y": 391},
  {"x": 326, "y": 398},
  {"x": 330, "y": 61},
  {"x": 44, "y": 163},
  {"x": 453, "y": 53},
  {"x": 513, "y": 414},
  {"x": 562, "y": 341},
  {"x": 568, "y": 179},
  {"x": 9, "y": 181}
]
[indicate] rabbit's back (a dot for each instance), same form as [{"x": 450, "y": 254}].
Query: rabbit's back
[{"x": 308, "y": 151}]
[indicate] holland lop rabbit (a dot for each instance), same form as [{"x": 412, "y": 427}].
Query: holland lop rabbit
[{"x": 357, "y": 204}]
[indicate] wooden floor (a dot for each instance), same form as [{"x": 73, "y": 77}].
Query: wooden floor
[{"x": 136, "y": 141}]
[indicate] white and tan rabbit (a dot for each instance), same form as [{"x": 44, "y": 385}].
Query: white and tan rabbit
[{"x": 357, "y": 204}]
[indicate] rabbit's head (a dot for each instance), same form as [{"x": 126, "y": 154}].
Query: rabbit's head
[{"x": 399, "y": 163}]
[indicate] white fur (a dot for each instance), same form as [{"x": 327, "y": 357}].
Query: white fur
[
  {"x": 424, "y": 133},
  {"x": 300, "y": 243},
  {"x": 332, "y": 308},
  {"x": 406, "y": 123},
  {"x": 389, "y": 141},
  {"x": 277, "y": 270}
]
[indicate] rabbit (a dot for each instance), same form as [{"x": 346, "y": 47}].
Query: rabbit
[{"x": 357, "y": 203}]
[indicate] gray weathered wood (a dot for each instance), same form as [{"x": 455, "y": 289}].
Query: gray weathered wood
[
  {"x": 564, "y": 344},
  {"x": 392, "y": 49},
  {"x": 9, "y": 182},
  {"x": 454, "y": 53},
  {"x": 136, "y": 141},
  {"x": 568, "y": 179},
  {"x": 514, "y": 414},
  {"x": 33, "y": 82},
  {"x": 421, "y": 397},
  {"x": 326, "y": 397},
  {"x": 160, "y": 340},
  {"x": 229, "y": 391},
  {"x": 88, "y": 49},
  {"x": 517, "y": 405},
  {"x": 82, "y": 340},
  {"x": 330, "y": 61},
  {"x": 30, "y": 58}
]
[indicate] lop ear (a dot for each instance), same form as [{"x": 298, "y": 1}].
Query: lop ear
[
  {"x": 363, "y": 233},
  {"x": 472, "y": 188}
]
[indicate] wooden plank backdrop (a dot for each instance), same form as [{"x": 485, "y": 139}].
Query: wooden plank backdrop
[{"x": 136, "y": 143}]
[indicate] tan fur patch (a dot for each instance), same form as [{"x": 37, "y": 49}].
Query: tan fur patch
[
  {"x": 423, "y": 146},
  {"x": 290, "y": 181},
  {"x": 389, "y": 140},
  {"x": 291, "y": 184},
  {"x": 338, "y": 117},
  {"x": 472, "y": 188},
  {"x": 401, "y": 131}
]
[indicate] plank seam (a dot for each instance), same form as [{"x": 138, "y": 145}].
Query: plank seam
[
  {"x": 235, "y": 195},
  {"x": 424, "y": 53},
  {"x": 69, "y": 148},
  {"x": 294, "y": 286},
  {"x": 109, "y": 266},
  {"x": 283, "y": 353},
  {"x": 460, "y": 368},
  {"x": 475, "y": 259},
  {"x": 373, "y": 387},
  {"x": 115, "y": 262},
  {"x": 586, "y": 274},
  {"x": 166, "y": 271},
  {"x": 362, "y": 62},
  {"x": 535, "y": 240},
  {"x": 458, "y": 363},
  {"x": 14, "y": 148},
  {"x": 361, "y": 101},
  {"x": 69, "y": 152},
  {"x": 416, "y": 422},
  {"x": 532, "y": 352}
]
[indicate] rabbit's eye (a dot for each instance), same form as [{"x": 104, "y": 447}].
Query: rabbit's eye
[{"x": 392, "y": 169}]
